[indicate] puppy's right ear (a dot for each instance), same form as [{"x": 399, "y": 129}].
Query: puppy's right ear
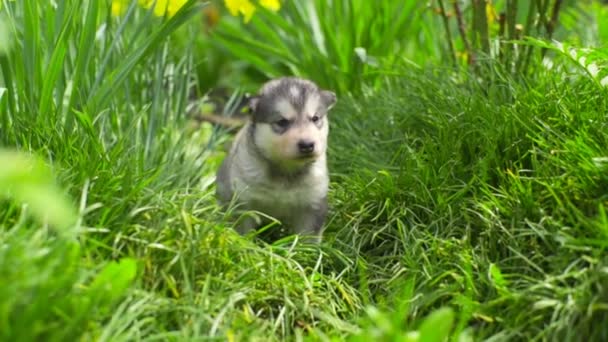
[
  {"x": 329, "y": 98},
  {"x": 252, "y": 103}
]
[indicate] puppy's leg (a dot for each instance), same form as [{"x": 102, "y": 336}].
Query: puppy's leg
[
  {"x": 247, "y": 223},
  {"x": 308, "y": 222}
]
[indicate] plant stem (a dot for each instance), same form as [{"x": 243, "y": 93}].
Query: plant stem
[
  {"x": 511, "y": 21},
  {"x": 448, "y": 32},
  {"x": 463, "y": 33},
  {"x": 554, "y": 16},
  {"x": 527, "y": 50},
  {"x": 552, "y": 23},
  {"x": 481, "y": 24},
  {"x": 501, "y": 35},
  {"x": 542, "y": 12}
]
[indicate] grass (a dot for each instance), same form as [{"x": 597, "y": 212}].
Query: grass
[
  {"x": 468, "y": 208},
  {"x": 496, "y": 206},
  {"x": 349, "y": 37}
]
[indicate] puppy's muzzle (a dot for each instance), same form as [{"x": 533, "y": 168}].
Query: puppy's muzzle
[{"x": 306, "y": 147}]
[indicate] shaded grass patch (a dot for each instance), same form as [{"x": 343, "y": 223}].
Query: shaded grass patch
[{"x": 434, "y": 178}]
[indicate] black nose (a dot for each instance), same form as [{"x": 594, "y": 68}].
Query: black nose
[{"x": 306, "y": 146}]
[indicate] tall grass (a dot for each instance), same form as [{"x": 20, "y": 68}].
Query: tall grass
[
  {"x": 336, "y": 44},
  {"x": 343, "y": 44},
  {"x": 93, "y": 95},
  {"x": 475, "y": 31},
  {"x": 496, "y": 206}
]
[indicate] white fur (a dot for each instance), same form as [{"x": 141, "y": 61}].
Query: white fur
[
  {"x": 294, "y": 91},
  {"x": 311, "y": 105},
  {"x": 276, "y": 198},
  {"x": 286, "y": 109},
  {"x": 283, "y": 149}
]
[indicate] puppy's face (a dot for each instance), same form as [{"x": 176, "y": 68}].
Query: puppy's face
[{"x": 290, "y": 120}]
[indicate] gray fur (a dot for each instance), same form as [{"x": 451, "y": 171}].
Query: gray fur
[
  {"x": 262, "y": 105},
  {"x": 250, "y": 177}
]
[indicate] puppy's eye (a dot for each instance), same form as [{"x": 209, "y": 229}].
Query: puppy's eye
[
  {"x": 315, "y": 119},
  {"x": 283, "y": 123}
]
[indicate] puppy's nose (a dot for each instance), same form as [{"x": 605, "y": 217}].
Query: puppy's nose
[{"x": 306, "y": 146}]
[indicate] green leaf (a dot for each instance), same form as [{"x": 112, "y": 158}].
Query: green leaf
[
  {"x": 28, "y": 180},
  {"x": 55, "y": 68},
  {"x": 113, "y": 281},
  {"x": 437, "y": 326},
  {"x": 496, "y": 276},
  {"x": 31, "y": 47},
  {"x": 137, "y": 54},
  {"x": 5, "y": 38},
  {"x": 85, "y": 53}
]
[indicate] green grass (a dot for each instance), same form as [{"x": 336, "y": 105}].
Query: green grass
[
  {"x": 338, "y": 45},
  {"x": 495, "y": 205},
  {"x": 474, "y": 209}
]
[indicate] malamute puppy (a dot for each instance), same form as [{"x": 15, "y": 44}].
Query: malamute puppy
[{"x": 277, "y": 163}]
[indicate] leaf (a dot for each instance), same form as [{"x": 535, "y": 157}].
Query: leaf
[
  {"x": 466, "y": 336},
  {"x": 139, "y": 53},
  {"x": 545, "y": 303},
  {"x": 113, "y": 281},
  {"x": 406, "y": 296},
  {"x": 32, "y": 47},
  {"x": 436, "y": 326},
  {"x": 593, "y": 69},
  {"x": 365, "y": 58},
  {"x": 5, "y": 38},
  {"x": 55, "y": 67},
  {"x": 28, "y": 180},
  {"x": 87, "y": 35},
  {"x": 496, "y": 276}
]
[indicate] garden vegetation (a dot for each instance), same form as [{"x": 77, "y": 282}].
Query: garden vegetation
[{"x": 468, "y": 158}]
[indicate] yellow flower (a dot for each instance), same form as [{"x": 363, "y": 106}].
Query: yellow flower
[
  {"x": 491, "y": 13},
  {"x": 244, "y": 7},
  {"x": 247, "y": 8},
  {"x": 119, "y": 7},
  {"x": 170, "y": 7},
  {"x": 273, "y": 5}
]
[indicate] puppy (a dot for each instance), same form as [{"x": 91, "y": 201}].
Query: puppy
[{"x": 277, "y": 162}]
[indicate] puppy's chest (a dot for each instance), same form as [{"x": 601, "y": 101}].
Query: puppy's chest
[{"x": 280, "y": 196}]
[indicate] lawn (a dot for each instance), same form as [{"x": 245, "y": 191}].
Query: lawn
[{"x": 468, "y": 159}]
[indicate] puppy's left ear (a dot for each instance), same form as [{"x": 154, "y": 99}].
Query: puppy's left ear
[
  {"x": 328, "y": 98},
  {"x": 252, "y": 103}
]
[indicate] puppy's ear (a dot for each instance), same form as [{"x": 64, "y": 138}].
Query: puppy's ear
[
  {"x": 252, "y": 103},
  {"x": 328, "y": 98}
]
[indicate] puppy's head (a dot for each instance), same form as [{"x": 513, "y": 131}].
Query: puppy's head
[{"x": 290, "y": 121}]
